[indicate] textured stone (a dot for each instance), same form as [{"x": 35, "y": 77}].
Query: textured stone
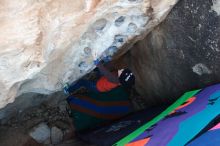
[
  {"x": 41, "y": 133},
  {"x": 56, "y": 135},
  {"x": 100, "y": 24},
  {"x": 62, "y": 106},
  {"x": 132, "y": 28},
  {"x": 112, "y": 50},
  {"x": 181, "y": 54},
  {"x": 216, "y": 6},
  {"x": 42, "y": 41},
  {"x": 201, "y": 69},
  {"x": 87, "y": 51},
  {"x": 119, "y": 21}
]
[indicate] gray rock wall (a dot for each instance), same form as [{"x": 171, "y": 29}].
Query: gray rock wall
[{"x": 181, "y": 54}]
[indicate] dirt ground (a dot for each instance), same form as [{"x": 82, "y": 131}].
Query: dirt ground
[{"x": 16, "y": 131}]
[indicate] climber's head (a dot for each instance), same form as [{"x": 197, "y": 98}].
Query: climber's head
[{"x": 126, "y": 78}]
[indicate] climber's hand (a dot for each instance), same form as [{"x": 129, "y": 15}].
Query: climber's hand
[
  {"x": 105, "y": 59},
  {"x": 97, "y": 61}
]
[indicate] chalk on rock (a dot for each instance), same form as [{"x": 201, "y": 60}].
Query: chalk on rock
[
  {"x": 112, "y": 50},
  {"x": 100, "y": 24},
  {"x": 119, "y": 40},
  {"x": 40, "y": 133},
  {"x": 83, "y": 65},
  {"x": 201, "y": 69},
  {"x": 56, "y": 135},
  {"x": 132, "y": 28},
  {"x": 142, "y": 20},
  {"x": 87, "y": 51},
  {"x": 119, "y": 21}
]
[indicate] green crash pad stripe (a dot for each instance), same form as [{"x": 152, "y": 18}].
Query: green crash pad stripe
[{"x": 140, "y": 130}]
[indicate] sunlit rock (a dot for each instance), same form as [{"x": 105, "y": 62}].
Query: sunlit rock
[{"x": 46, "y": 43}]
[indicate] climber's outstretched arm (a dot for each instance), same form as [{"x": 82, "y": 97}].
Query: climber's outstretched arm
[{"x": 109, "y": 75}]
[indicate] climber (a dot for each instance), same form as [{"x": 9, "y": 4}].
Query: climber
[{"x": 106, "y": 82}]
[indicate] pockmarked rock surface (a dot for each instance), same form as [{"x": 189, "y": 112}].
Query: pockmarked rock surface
[
  {"x": 46, "y": 43},
  {"x": 181, "y": 54}
]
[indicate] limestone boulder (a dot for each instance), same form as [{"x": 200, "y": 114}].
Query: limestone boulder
[{"x": 46, "y": 43}]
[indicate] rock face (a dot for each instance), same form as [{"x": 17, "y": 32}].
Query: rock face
[
  {"x": 45, "y": 43},
  {"x": 182, "y": 53}
]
